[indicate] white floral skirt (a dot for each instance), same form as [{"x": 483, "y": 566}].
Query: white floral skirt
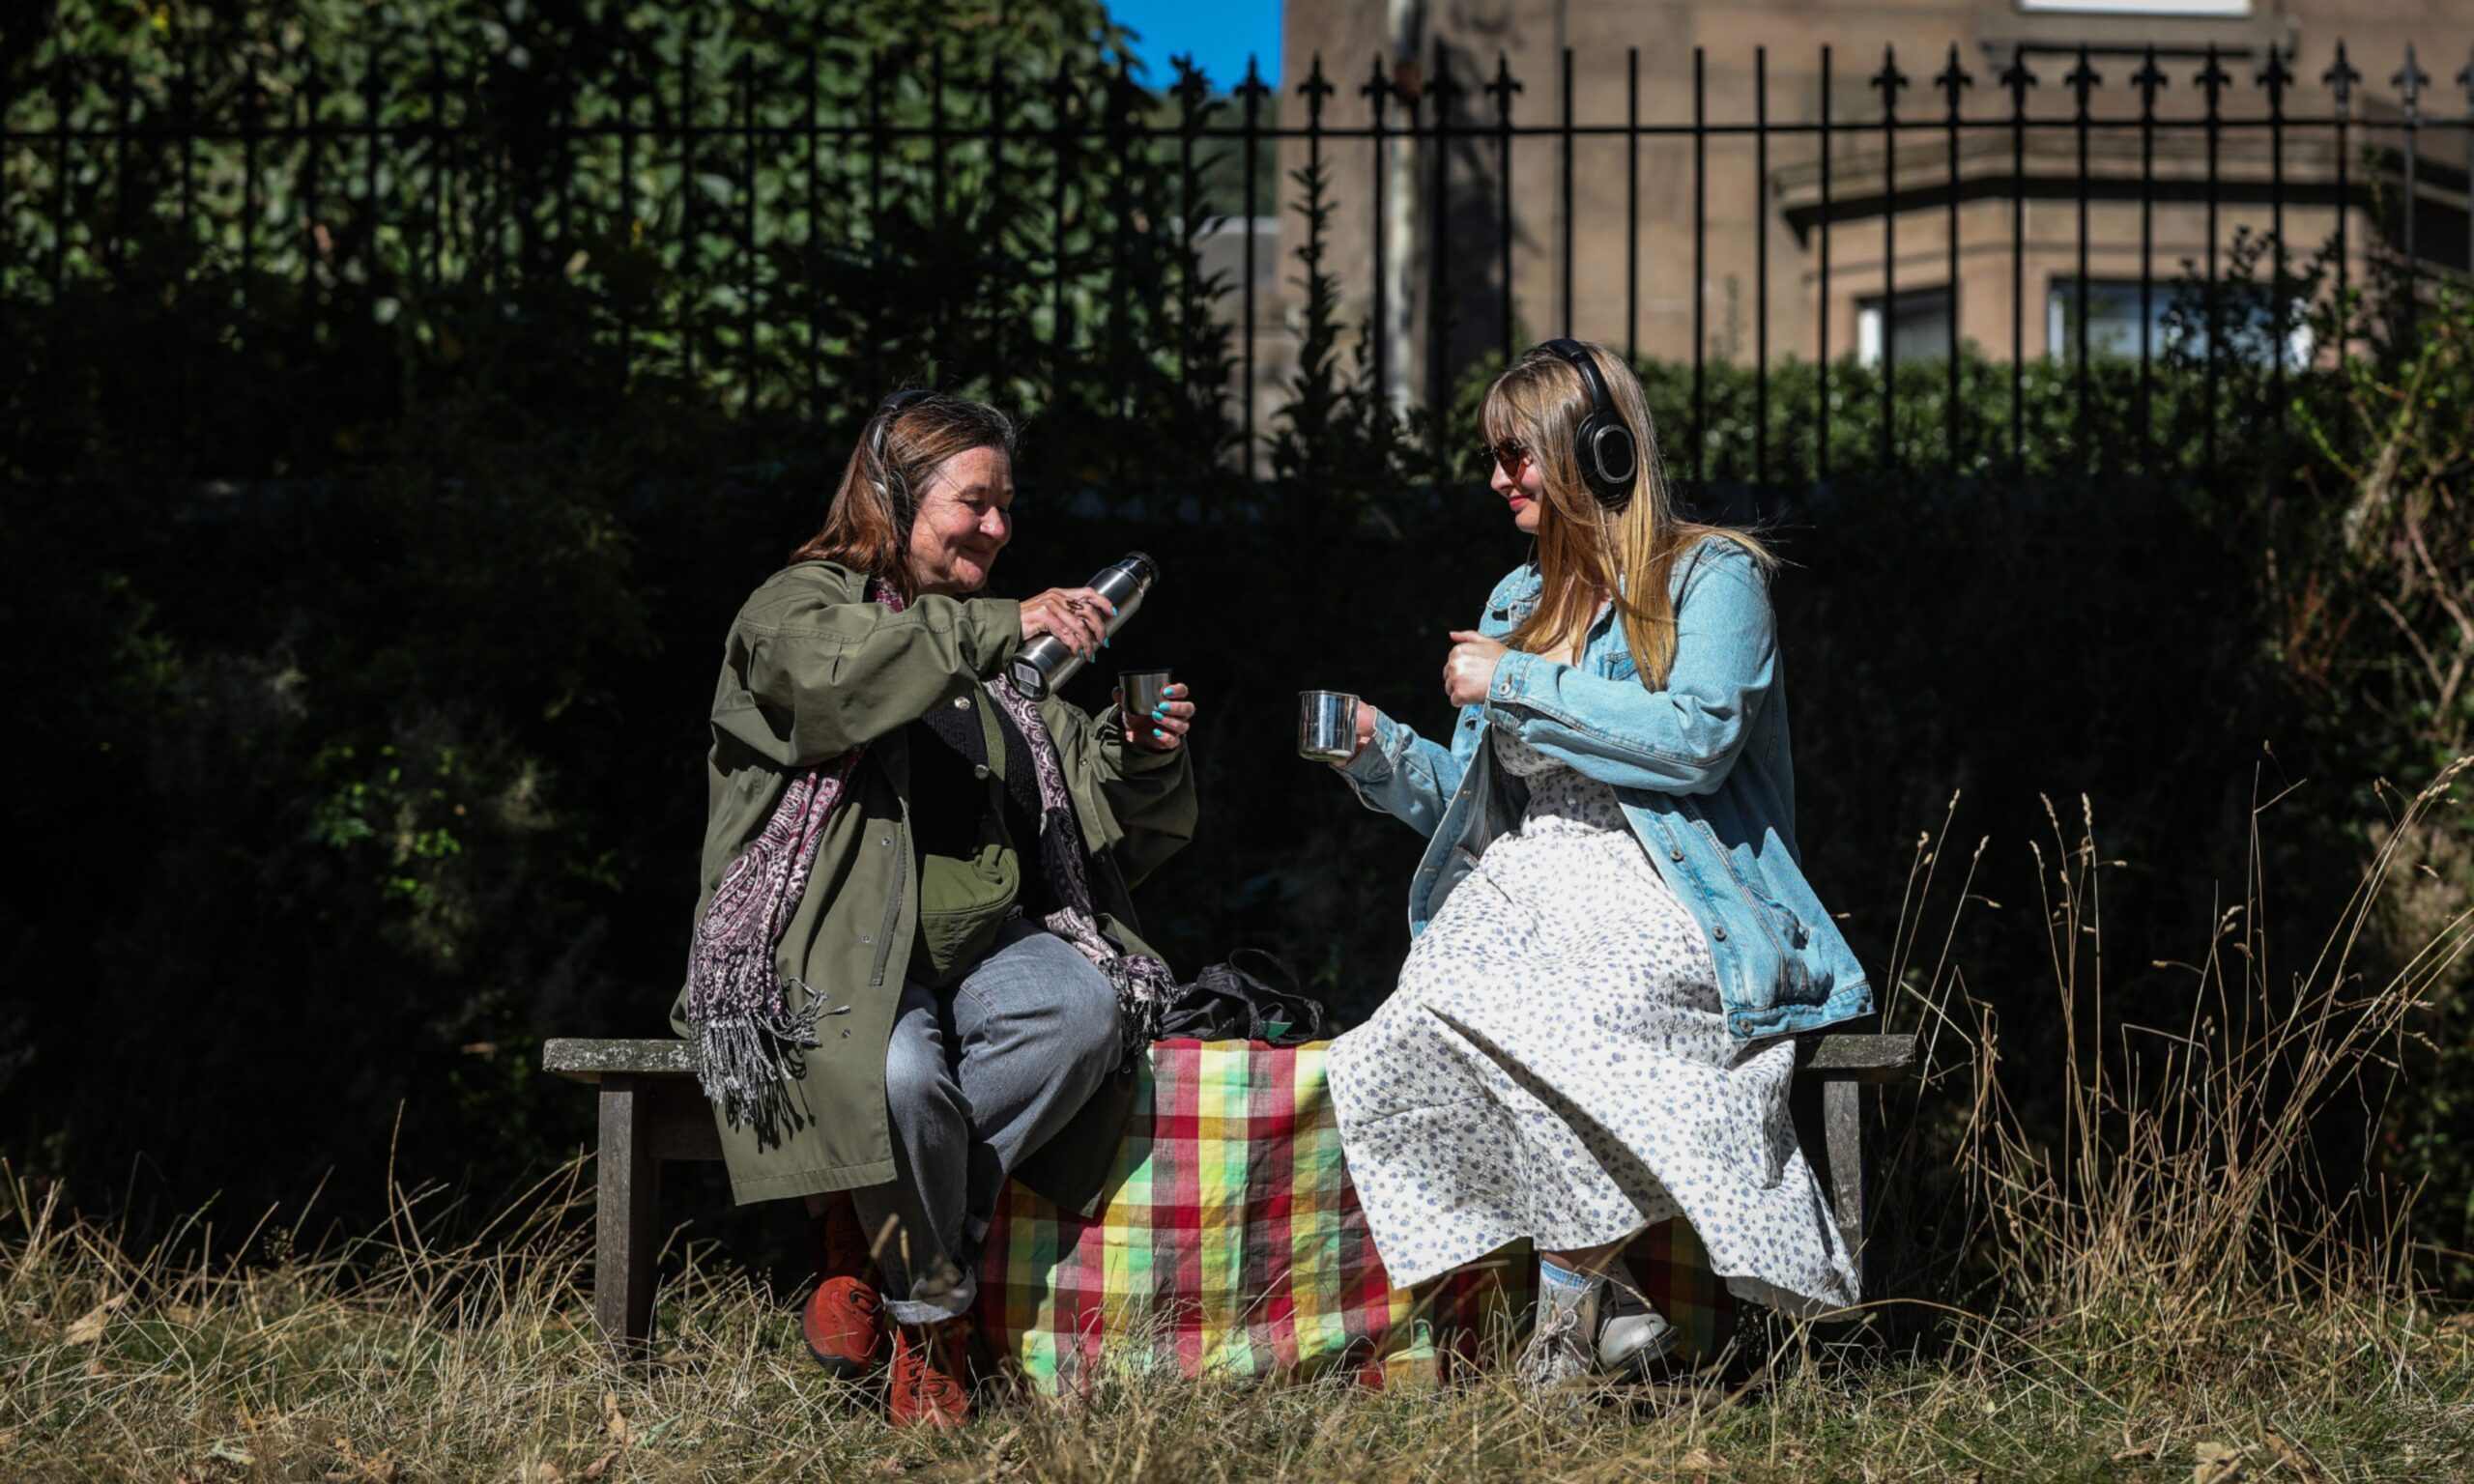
[{"x": 1555, "y": 1066}]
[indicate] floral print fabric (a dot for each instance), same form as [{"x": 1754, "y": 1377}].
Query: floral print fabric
[{"x": 1554, "y": 1065}]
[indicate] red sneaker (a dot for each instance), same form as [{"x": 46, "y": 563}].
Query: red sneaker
[
  {"x": 930, "y": 1385},
  {"x": 844, "y": 1325}
]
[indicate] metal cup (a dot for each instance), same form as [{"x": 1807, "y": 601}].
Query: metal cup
[
  {"x": 1326, "y": 725},
  {"x": 1142, "y": 691}
]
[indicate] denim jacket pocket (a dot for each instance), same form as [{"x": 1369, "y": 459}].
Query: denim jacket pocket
[{"x": 1789, "y": 927}]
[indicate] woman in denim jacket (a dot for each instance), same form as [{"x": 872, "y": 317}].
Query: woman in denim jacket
[{"x": 1611, "y": 934}]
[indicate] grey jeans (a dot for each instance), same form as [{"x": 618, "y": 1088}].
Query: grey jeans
[{"x": 977, "y": 1076}]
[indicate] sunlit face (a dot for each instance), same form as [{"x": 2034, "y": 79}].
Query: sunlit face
[
  {"x": 1523, "y": 487},
  {"x": 965, "y": 517}
]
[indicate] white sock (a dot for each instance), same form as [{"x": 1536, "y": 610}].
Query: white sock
[{"x": 1562, "y": 1287}]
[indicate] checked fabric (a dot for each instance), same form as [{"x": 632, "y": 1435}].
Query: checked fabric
[{"x": 1229, "y": 1243}]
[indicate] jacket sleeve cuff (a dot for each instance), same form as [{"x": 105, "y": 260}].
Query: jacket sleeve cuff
[
  {"x": 996, "y": 627},
  {"x": 1514, "y": 673},
  {"x": 1373, "y": 762}
]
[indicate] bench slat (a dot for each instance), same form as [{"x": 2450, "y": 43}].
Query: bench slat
[
  {"x": 1834, "y": 1057},
  {"x": 588, "y": 1061},
  {"x": 1831, "y": 1056}
]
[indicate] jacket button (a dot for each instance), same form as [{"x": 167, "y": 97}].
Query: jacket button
[
  {"x": 865, "y": 938},
  {"x": 961, "y": 702},
  {"x": 980, "y": 771},
  {"x": 885, "y": 840},
  {"x": 1675, "y": 852},
  {"x": 1720, "y": 933}
]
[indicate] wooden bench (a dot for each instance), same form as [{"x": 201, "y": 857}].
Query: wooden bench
[{"x": 652, "y": 1113}]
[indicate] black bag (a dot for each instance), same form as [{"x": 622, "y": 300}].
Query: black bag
[{"x": 1228, "y": 1003}]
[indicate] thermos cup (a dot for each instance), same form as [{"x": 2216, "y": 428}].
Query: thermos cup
[
  {"x": 1143, "y": 690},
  {"x": 1047, "y": 663},
  {"x": 1326, "y": 725}
]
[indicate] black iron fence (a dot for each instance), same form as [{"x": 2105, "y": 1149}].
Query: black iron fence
[{"x": 789, "y": 233}]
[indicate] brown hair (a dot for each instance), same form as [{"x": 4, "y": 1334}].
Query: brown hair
[
  {"x": 867, "y": 529},
  {"x": 1583, "y": 547}
]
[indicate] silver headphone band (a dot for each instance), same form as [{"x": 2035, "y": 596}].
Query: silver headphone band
[{"x": 893, "y": 406}]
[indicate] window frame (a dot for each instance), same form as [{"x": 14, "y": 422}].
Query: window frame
[{"x": 1869, "y": 317}]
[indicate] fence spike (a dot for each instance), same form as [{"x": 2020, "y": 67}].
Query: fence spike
[
  {"x": 1253, "y": 86},
  {"x": 1315, "y": 88},
  {"x": 1379, "y": 88},
  {"x": 1891, "y": 81},
  {"x": 2340, "y": 77},
  {"x": 1440, "y": 87},
  {"x": 1504, "y": 86},
  {"x": 2212, "y": 78},
  {"x": 2466, "y": 79},
  {"x": 1954, "y": 80},
  {"x": 1126, "y": 102},
  {"x": 2083, "y": 79},
  {"x": 2018, "y": 78},
  {"x": 2149, "y": 79},
  {"x": 2274, "y": 77},
  {"x": 2409, "y": 81},
  {"x": 1192, "y": 92}
]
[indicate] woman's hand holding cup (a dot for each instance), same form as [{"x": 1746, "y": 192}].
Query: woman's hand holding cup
[
  {"x": 1079, "y": 617},
  {"x": 1163, "y": 727}
]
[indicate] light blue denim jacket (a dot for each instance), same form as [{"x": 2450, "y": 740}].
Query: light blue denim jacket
[{"x": 1701, "y": 769}]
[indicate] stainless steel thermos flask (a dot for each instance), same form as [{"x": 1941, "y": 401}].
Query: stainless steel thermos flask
[{"x": 1046, "y": 663}]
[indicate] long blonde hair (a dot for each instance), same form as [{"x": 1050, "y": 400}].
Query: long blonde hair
[{"x": 1583, "y": 547}]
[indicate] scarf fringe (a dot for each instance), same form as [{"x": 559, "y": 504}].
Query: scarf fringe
[
  {"x": 749, "y": 1043},
  {"x": 745, "y": 1066}
]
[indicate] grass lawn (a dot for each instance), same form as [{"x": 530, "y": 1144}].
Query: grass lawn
[{"x": 392, "y": 1361}]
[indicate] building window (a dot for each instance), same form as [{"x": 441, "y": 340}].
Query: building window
[
  {"x": 2227, "y": 8},
  {"x": 1919, "y": 326},
  {"x": 2177, "y": 320}
]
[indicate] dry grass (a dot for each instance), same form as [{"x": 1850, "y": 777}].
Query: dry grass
[{"x": 2160, "y": 1308}]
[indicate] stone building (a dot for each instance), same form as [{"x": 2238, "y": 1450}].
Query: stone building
[{"x": 1618, "y": 258}]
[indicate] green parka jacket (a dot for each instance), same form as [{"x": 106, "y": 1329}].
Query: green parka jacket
[{"x": 812, "y": 667}]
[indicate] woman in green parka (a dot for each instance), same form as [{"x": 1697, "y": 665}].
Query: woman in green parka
[{"x": 915, "y": 969}]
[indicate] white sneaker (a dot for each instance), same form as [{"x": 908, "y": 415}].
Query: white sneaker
[{"x": 1635, "y": 1336}]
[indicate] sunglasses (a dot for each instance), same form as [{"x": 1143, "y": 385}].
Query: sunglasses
[{"x": 1511, "y": 455}]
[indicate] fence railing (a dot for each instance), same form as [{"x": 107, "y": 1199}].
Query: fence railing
[{"x": 757, "y": 227}]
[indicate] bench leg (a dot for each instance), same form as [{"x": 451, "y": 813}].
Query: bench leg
[
  {"x": 626, "y": 1222},
  {"x": 1848, "y": 1136}
]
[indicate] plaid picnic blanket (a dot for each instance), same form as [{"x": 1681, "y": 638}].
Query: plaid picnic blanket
[{"x": 1231, "y": 1242}]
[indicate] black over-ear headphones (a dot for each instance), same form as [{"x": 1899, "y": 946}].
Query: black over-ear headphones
[
  {"x": 1609, "y": 456},
  {"x": 891, "y": 409}
]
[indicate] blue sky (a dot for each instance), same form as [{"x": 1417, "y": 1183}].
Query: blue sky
[{"x": 1219, "y": 33}]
